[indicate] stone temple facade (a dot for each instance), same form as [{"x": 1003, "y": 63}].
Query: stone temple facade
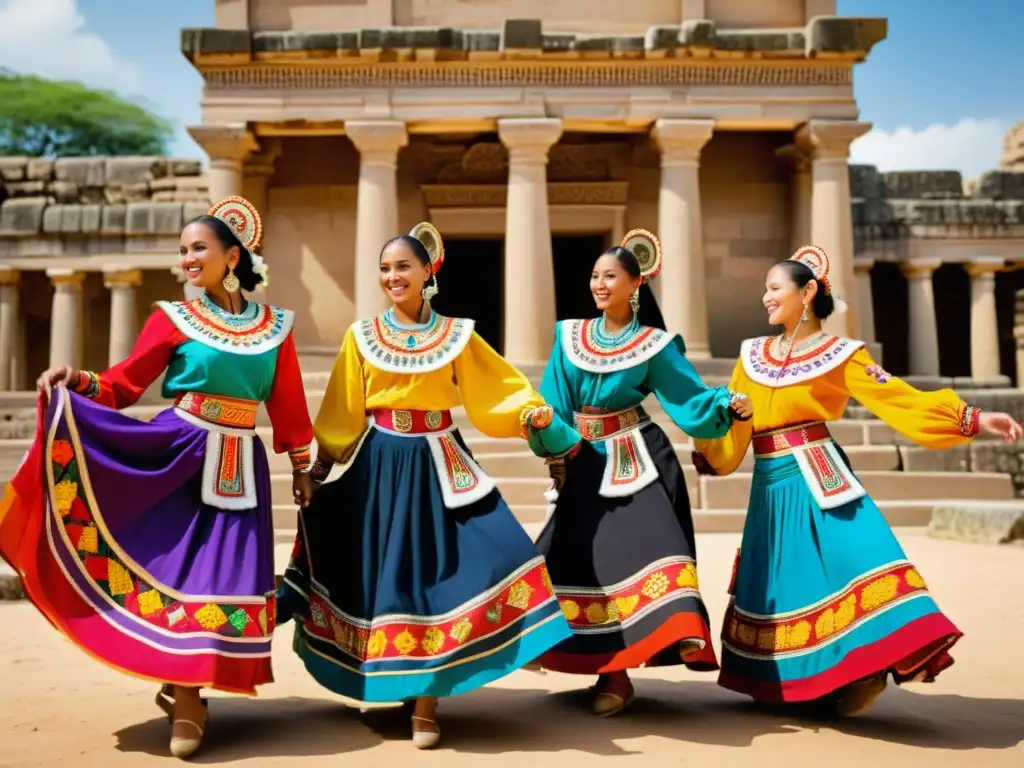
[{"x": 533, "y": 135}]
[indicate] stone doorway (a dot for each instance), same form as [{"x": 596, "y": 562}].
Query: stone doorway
[
  {"x": 471, "y": 281},
  {"x": 574, "y": 259}
]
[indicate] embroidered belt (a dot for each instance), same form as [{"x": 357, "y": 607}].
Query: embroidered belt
[
  {"x": 594, "y": 425},
  {"x": 223, "y": 411},
  {"x": 412, "y": 422},
  {"x": 780, "y": 442}
]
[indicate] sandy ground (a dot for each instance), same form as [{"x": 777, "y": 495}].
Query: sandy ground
[{"x": 58, "y": 707}]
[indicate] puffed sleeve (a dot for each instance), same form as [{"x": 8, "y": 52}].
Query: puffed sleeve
[
  {"x": 938, "y": 419},
  {"x": 554, "y": 389},
  {"x": 499, "y": 400},
  {"x": 723, "y": 456},
  {"x": 287, "y": 408},
  {"x": 700, "y": 411},
  {"x": 341, "y": 420},
  {"x": 122, "y": 385}
]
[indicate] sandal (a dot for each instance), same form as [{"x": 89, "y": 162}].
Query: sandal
[
  {"x": 607, "y": 703},
  {"x": 857, "y": 698},
  {"x": 182, "y": 747},
  {"x": 425, "y": 739},
  {"x": 165, "y": 700}
]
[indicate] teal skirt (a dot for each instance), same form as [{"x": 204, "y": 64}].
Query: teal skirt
[{"x": 823, "y": 598}]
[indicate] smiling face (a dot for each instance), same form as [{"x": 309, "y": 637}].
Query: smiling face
[
  {"x": 784, "y": 300},
  {"x": 611, "y": 285},
  {"x": 202, "y": 257},
  {"x": 402, "y": 277}
]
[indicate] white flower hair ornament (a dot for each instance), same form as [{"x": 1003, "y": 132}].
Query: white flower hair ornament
[{"x": 259, "y": 266}]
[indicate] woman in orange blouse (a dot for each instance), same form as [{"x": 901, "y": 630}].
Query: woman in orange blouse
[{"x": 824, "y": 603}]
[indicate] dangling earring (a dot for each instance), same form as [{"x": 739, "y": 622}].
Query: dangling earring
[
  {"x": 803, "y": 316},
  {"x": 430, "y": 290},
  {"x": 634, "y": 301},
  {"x": 230, "y": 282}
]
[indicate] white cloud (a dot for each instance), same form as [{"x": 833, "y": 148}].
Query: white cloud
[
  {"x": 47, "y": 38},
  {"x": 971, "y": 147}
]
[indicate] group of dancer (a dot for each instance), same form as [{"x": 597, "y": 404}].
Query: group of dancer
[{"x": 150, "y": 544}]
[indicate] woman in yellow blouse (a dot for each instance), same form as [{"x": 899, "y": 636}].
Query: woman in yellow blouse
[
  {"x": 824, "y": 603},
  {"x": 410, "y": 578}
]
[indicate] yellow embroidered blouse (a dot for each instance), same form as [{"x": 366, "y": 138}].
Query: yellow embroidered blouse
[
  {"x": 816, "y": 385},
  {"x": 434, "y": 366}
]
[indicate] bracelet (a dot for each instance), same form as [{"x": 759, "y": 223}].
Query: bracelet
[
  {"x": 88, "y": 384},
  {"x": 299, "y": 458},
  {"x": 970, "y": 421}
]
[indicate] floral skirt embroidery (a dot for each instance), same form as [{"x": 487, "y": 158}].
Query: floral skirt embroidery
[
  {"x": 105, "y": 523},
  {"x": 824, "y": 598},
  {"x": 625, "y": 569},
  {"x": 396, "y": 595}
]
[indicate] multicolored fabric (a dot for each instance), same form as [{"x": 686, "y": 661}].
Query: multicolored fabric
[
  {"x": 388, "y": 345},
  {"x": 255, "y": 330}
]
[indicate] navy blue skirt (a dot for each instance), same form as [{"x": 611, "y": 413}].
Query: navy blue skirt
[{"x": 396, "y": 595}]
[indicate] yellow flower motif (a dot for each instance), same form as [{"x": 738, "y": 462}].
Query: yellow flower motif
[
  {"x": 89, "y": 540},
  {"x": 118, "y": 578},
  {"x": 433, "y": 640},
  {"x": 914, "y": 579},
  {"x": 825, "y": 625},
  {"x": 688, "y": 577},
  {"x": 65, "y": 493},
  {"x": 377, "y": 645},
  {"x": 879, "y": 592},
  {"x": 545, "y": 578},
  {"x": 150, "y": 602},
  {"x": 846, "y": 612},
  {"x": 519, "y": 595},
  {"x": 461, "y": 630},
  {"x": 612, "y": 611},
  {"x": 656, "y": 585},
  {"x": 798, "y": 634},
  {"x": 211, "y": 617},
  {"x": 405, "y": 643},
  {"x": 570, "y": 610},
  {"x": 596, "y": 614},
  {"x": 627, "y": 605}
]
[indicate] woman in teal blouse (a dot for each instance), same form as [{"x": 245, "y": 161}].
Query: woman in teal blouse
[{"x": 620, "y": 544}]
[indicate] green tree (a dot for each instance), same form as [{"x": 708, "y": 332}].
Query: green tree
[{"x": 44, "y": 118}]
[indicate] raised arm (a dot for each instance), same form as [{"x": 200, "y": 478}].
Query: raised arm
[
  {"x": 500, "y": 401},
  {"x": 700, "y": 411},
  {"x": 341, "y": 420},
  {"x": 287, "y": 408},
  {"x": 938, "y": 419},
  {"x": 723, "y": 455},
  {"x": 123, "y": 385}
]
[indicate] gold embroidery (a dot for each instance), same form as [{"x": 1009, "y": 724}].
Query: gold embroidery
[
  {"x": 66, "y": 491},
  {"x": 747, "y": 633},
  {"x": 150, "y": 602},
  {"x": 263, "y": 620},
  {"x": 688, "y": 577},
  {"x": 433, "y": 640},
  {"x": 879, "y": 592},
  {"x": 402, "y": 421},
  {"x": 611, "y": 611},
  {"x": 494, "y": 613},
  {"x": 405, "y": 643},
  {"x": 596, "y": 614},
  {"x": 656, "y": 586},
  {"x": 826, "y": 624},
  {"x": 461, "y": 630},
  {"x": 766, "y": 638},
  {"x": 519, "y": 595},
  {"x": 433, "y": 419},
  {"x": 118, "y": 578},
  {"x": 545, "y": 578},
  {"x": 914, "y": 579},
  {"x": 377, "y": 645},
  {"x": 846, "y": 612},
  {"x": 211, "y": 617},
  {"x": 627, "y": 605},
  {"x": 89, "y": 540},
  {"x": 798, "y": 634},
  {"x": 570, "y": 609}
]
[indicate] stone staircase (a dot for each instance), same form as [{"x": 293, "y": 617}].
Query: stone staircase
[{"x": 880, "y": 457}]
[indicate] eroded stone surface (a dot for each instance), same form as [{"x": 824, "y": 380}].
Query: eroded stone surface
[{"x": 979, "y": 522}]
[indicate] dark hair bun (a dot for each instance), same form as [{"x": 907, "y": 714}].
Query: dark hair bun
[
  {"x": 244, "y": 271},
  {"x": 823, "y": 304}
]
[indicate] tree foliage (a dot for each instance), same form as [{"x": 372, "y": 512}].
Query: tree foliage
[{"x": 45, "y": 118}]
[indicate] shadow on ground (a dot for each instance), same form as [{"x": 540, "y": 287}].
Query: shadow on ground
[{"x": 499, "y": 720}]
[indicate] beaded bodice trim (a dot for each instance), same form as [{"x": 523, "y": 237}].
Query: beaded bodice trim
[
  {"x": 590, "y": 350},
  {"x": 423, "y": 348},
  {"x": 257, "y": 329},
  {"x": 763, "y": 367}
]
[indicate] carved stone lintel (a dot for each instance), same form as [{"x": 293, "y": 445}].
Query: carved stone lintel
[
  {"x": 831, "y": 139},
  {"x": 681, "y": 141},
  {"x": 225, "y": 143},
  {"x": 495, "y": 195},
  {"x": 529, "y": 139},
  {"x": 378, "y": 141},
  {"x": 119, "y": 277}
]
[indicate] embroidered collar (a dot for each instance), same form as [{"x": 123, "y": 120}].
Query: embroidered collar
[
  {"x": 257, "y": 329},
  {"x": 590, "y": 349},
  {"x": 762, "y": 367},
  {"x": 391, "y": 346}
]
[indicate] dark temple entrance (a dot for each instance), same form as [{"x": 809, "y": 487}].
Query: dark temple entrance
[
  {"x": 574, "y": 259},
  {"x": 471, "y": 281}
]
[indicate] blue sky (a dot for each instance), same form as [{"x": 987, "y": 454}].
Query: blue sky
[{"x": 941, "y": 90}]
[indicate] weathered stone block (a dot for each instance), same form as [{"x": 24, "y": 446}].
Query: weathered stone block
[
  {"x": 194, "y": 210},
  {"x": 866, "y": 182},
  {"x": 199, "y": 42},
  {"x": 758, "y": 40},
  {"x": 52, "y": 219},
  {"x": 915, "y": 458},
  {"x": 64, "y": 191},
  {"x": 25, "y": 189},
  {"x": 1001, "y": 185},
  {"x": 662, "y": 38},
  {"x": 135, "y": 170},
  {"x": 23, "y": 215},
  {"x": 921, "y": 185},
  {"x": 83, "y": 171},
  {"x": 481, "y": 41},
  {"x": 13, "y": 168},
  {"x": 39, "y": 169},
  {"x": 982, "y": 522},
  {"x": 836, "y": 34},
  {"x": 181, "y": 166},
  {"x": 697, "y": 33},
  {"x": 115, "y": 219},
  {"x": 154, "y": 218},
  {"x": 522, "y": 34},
  {"x": 92, "y": 219},
  {"x": 71, "y": 219}
]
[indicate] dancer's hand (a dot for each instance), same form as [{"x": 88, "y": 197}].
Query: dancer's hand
[
  {"x": 1002, "y": 424},
  {"x": 741, "y": 405},
  {"x": 541, "y": 417},
  {"x": 302, "y": 489},
  {"x": 52, "y": 377}
]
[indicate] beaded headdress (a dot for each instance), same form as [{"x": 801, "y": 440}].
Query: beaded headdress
[
  {"x": 645, "y": 246},
  {"x": 427, "y": 234},
  {"x": 815, "y": 259},
  {"x": 244, "y": 222}
]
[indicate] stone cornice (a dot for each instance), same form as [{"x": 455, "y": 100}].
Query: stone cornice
[
  {"x": 830, "y": 139},
  {"x": 681, "y": 141},
  {"x": 824, "y": 37},
  {"x": 496, "y": 195}
]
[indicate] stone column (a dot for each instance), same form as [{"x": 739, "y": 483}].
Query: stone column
[
  {"x": 865, "y": 305},
  {"x": 228, "y": 147},
  {"x": 378, "y": 142},
  {"x": 984, "y": 324},
  {"x": 529, "y": 311},
  {"x": 123, "y": 317},
  {"x": 10, "y": 329},
  {"x": 681, "y": 231},
  {"x": 66, "y": 318},
  {"x": 256, "y": 175},
  {"x": 831, "y": 214},
  {"x": 800, "y": 186},
  {"x": 923, "y": 334}
]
